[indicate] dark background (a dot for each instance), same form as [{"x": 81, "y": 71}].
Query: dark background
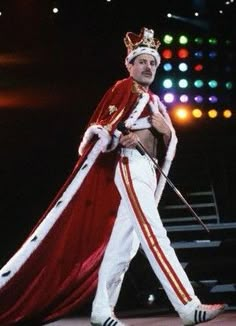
[{"x": 54, "y": 69}]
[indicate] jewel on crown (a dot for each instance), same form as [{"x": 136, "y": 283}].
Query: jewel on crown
[{"x": 144, "y": 39}]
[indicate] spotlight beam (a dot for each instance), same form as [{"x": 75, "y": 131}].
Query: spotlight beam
[{"x": 199, "y": 23}]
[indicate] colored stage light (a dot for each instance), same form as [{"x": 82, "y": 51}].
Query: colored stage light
[
  {"x": 198, "y": 54},
  {"x": 212, "y": 113},
  {"x": 182, "y": 113},
  {"x": 167, "y": 83},
  {"x": 183, "y": 53},
  {"x": 212, "y": 41},
  {"x": 198, "y": 40},
  {"x": 212, "y": 54},
  {"x": 213, "y": 99},
  {"x": 229, "y": 85},
  {"x": 227, "y": 114},
  {"x": 213, "y": 83},
  {"x": 183, "y": 66},
  {"x": 167, "y": 54},
  {"x": 169, "y": 98},
  {"x": 167, "y": 66},
  {"x": 197, "y": 113},
  {"x": 198, "y": 98},
  {"x": 198, "y": 83},
  {"x": 198, "y": 67},
  {"x": 168, "y": 39},
  {"x": 183, "y": 39}
]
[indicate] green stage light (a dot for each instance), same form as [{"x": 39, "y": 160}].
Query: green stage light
[
  {"x": 229, "y": 85},
  {"x": 212, "y": 41},
  {"x": 198, "y": 40},
  {"x": 183, "y": 39},
  {"x": 168, "y": 39}
]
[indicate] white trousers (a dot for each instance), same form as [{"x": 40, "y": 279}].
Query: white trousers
[{"x": 138, "y": 222}]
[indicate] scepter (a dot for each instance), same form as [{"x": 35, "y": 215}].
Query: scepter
[{"x": 142, "y": 150}]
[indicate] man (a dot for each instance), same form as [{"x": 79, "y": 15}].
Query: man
[
  {"x": 107, "y": 205},
  {"x": 137, "y": 219}
]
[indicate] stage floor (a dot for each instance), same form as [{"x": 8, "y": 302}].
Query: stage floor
[{"x": 228, "y": 318}]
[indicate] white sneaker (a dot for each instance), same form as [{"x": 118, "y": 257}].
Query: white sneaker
[
  {"x": 202, "y": 314},
  {"x": 105, "y": 321}
]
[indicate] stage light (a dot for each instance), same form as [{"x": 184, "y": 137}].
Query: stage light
[
  {"x": 212, "y": 113},
  {"x": 198, "y": 67},
  {"x": 212, "y": 41},
  {"x": 181, "y": 113},
  {"x": 183, "y": 39},
  {"x": 198, "y": 98},
  {"x": 196, "y": 14},
  {"x": 198, "y": 83},
  {"x": 55, "y": 10},
  {"x": 183, "y": 66},
  {"x": 213, "y": 83},
  {"x": 183, "y": 83},
  {"x": 169, "y": 98},
  {"x": 183, "y": 98},
  {"x": 183, "y": 53},
  {"x": 167, "y": 54},
  {"x": 168, "y": 39},
  {"x": 213, "y": 99},
  {"x": 167, "y": 83},
  {"x": 167, "y": 66},
  {"x": 198, "y": 54},
  {"x": 213, "y": 54},
  {"x": 197, "y": 113},
  {"x": 198, "y": 40},
  {"x": 229, "y": 85},
  {"x": 169, "y": 15},
  {"x": 227, "y": 114}
]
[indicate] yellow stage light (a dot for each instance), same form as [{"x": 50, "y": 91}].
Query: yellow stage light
[{"x": 212, "y": 113}]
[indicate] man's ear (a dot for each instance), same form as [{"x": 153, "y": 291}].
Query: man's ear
[{"x": 129, "y": 66}]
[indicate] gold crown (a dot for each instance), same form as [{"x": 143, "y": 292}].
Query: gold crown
[{"x": 144, "y": 39}]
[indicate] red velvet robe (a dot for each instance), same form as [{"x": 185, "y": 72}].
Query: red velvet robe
[{"x": 56, "y": 268}]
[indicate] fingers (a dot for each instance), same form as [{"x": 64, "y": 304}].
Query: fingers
[{"x": 131, "y": 140}]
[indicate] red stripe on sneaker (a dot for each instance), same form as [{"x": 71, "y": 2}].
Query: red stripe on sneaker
[{"x": 151, "y": 239}]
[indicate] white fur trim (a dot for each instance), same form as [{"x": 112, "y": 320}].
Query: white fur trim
[
  {"x": 138, "y": 109},
  {"x": 143, "y": 50},
  {"x": 142, "y": 123},
  {"x": 170, "y": 153},
  {"x": 98, "y": 130}
]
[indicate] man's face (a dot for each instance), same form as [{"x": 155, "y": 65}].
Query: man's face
[{"x": 143, "y": 69}]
